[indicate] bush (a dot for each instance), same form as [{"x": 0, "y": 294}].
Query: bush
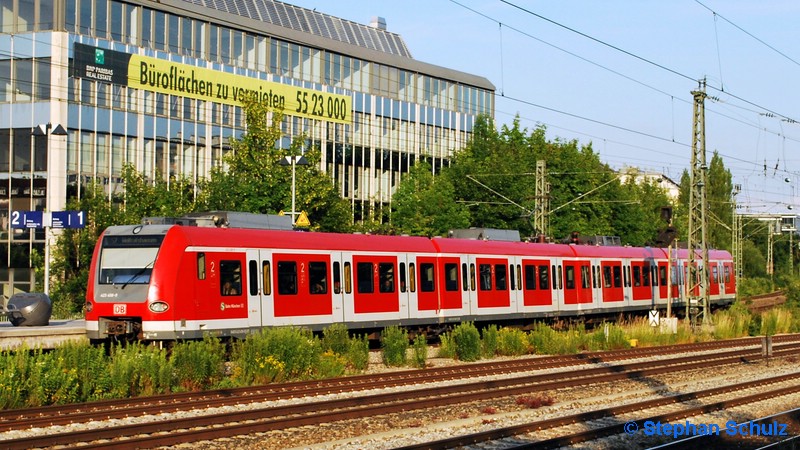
[
  {"x": 489, "y": 341},
  {"x": 358, "y": 353},
  {"x": 394, "y": 342},
  {"x": 544, "y": 340},
  {"x": 447, "y": 347},
  {"x": 276, "y": 354},
  {"x": 776, "y": 321},
  {"x": 420, "y": 352},
  {"x": 198, "y": 365},
  {"x": 138, "y": 370},
  {"x": 336, "y": 338},
  {"x": 330, "y": 365},
  {"x": 732, "y": 323},
  {"x": 610, "y": 336},
  {"x": 467, "y": 342},
  {"x": 15, "y": 368},
  {"x": 512, "y": 342}
]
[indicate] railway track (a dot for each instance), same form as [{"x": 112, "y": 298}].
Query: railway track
[
  {"x": 596, "y": 419},
  {"x": 112, "y": 409},
  {"x": 316, "y": 410}
]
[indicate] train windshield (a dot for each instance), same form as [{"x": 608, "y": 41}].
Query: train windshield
[{"x": 128, "y": 260}]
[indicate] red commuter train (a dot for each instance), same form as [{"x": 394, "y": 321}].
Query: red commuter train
[{"x": 167, "y": 282}]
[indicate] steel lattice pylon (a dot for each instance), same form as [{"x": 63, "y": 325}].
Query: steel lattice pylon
[
  {"x": 697, "y": 280},
  {"x": 542, "y": 191}
]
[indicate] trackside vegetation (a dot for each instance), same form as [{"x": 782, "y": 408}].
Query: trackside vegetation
[{"x": 78, "y": 372}]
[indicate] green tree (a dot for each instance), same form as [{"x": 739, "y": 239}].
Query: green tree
[
  {"x": 425, "y": 205},
  {"x": 719, "y": 195},
  {"x": 495, "y": 173},
  {"x": 252, "y": 178}
]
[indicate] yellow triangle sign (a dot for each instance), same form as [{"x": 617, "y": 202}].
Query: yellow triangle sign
[
  {"x": 302, "y": 221},
  {"x": 280, "y": 213}
]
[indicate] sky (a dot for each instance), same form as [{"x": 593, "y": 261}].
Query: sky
[{"x": 619, "y": 75}]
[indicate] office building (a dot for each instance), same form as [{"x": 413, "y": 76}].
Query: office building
[{"x": 87, "y": 86}]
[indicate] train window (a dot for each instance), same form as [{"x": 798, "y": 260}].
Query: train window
[
  {"x": 451, "y": 277},
  {"x": 318, "y": 277},
  {"x": 513, "y": 278},
  {"x": 485, "y": 277},
  {"x": 544, "y": 277},
  {"x": 287, "y": 277},
  {"x": 386, "y": 275},
  {"x": 426, "y": 279},
  {"x": 555, "y": 286},
  {"x": 348, "y": 276},
  {"x": 252, "y": 275},
  {"x": 569, "y": 274},
  {"x": 500, "y": 277},
  {"x": 265, "y": 279},
  {"x": 617, "y": 276},
  {"x": 595, "y": 277},
  {"x": 472, "y": 276},
  {"x": 464, "y": 277},
  {"x": 714, "y": 274},
  {"x": 727, "y": 274},
  {"x": 654, "y": 275},
  {"x": 637, "y": 276},
  {"x": 585, "y": 275},
  {"x": 560, "y": 277},
  {"x": 627, "y": 276},
  {"x": 337, "y": 278},
  {"x": 402, "y": 277},
  {"x": 201, "y": 266},
  {"x": 519, "y": 277},
  {"x": 231, "y": 277},
  {"x": 364, "y": 279},
  {"x": 646, "y": 275},
  {"x": 412, "y": 277},
  {"x": 530, "y": 277},
  {"x": 662, "y": 275}
]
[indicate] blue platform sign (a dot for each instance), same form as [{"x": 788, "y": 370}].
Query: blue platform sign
[
  {"x": 27, "y": 219},
  {"x": 56, "y": 219},
  {"x": 68, "y": 219}
]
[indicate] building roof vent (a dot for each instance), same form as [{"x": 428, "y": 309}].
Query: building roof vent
[{"x": 378, "y": 22}]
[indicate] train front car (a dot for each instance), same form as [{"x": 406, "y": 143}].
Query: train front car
[{"x": 126, "y": 279}]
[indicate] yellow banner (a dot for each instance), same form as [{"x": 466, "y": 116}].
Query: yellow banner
[{"x": 167, "y": 77}]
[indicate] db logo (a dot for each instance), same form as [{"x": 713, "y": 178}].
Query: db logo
[{"x": 120, "y": 309}]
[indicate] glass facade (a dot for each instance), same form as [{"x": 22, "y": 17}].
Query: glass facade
[{"x": 400, "y": 114}]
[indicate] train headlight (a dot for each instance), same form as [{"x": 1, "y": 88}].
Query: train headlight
[
  {"x": 158, "y": 307},
  {"x": 89, "y": 306}
]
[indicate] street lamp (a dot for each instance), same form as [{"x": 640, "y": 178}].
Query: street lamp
[
  {"x": 293, "y": 160},
  {"x": 47, "y": 130}
]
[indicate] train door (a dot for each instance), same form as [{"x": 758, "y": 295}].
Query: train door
[
  {"x": 492, "y": 283},
  {"x": 425, "y": 285},
  {"x": 536, "y": 291},
  {"x": 714, "y": 280},
  {"x": 612, "y": 283},
  {"x": 597, "y": 283},
  {"x": 729, "y": 280},
  {"x": 449, "y": 280},
  {"x": 641, "y": 289},
  {"x": 301, "y": 288},
  {"x": 577, "y": 285},
  {"x": 663, "y": 285},
  {"x": 374, "y": 292},
  {"x": 259, "y": 293}
]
